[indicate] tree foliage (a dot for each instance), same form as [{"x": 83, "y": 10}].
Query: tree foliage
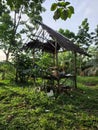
[
  {"x": 62, "y": 10},
  {"x": 17, "y": 20},
  {"x": 83, "y": 36},
  {"x": 67, "y": 33},
  {"x": 15, "y": 17},
  {"x": 23, "y": 65},
  {"x": 86, "y": 40}
]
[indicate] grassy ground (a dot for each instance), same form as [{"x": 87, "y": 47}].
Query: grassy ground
[{"x": 25, "y": 109}]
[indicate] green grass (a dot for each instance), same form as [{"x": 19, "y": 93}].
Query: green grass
[
  {"x": 22, "y": 108},
  {"x": 88, "y": 80}
]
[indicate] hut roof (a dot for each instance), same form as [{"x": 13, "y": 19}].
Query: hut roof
[
  {"x": 53, "y": 45},
  {"x": 62, "y": 40},
  {"x": 48, "y": 46}
]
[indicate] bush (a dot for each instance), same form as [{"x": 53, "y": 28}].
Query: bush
[
  {"x": 7, "y": 70},
  {"x": 23, "y": 65}
]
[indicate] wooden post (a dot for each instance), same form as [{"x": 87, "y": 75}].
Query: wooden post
[
  {"x": 33, "y": 54},
  {"x": 75, "y": 69},
  {"x": 53, "y": 58},
  {"x": 56, "y": 61},
  {"x": 56, "y": 55}
]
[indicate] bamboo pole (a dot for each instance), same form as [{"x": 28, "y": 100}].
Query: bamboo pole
[
  {"x": 75, "y": 69},
  {"x": 56, "y": 61}
]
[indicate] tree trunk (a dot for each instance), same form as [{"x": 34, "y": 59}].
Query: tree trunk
[{"x": 6, "y": 55}]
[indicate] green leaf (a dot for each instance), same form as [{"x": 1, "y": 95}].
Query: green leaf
[
  {"x": 67, "y": 3},
  {"x": 64, "y": 14},
  {"x": 53, "y": 7},
  {"x": 69, "y": 14},
  {"x": 71, "y": 9},
  {"x": 57, "y": 13},
  {"x": 63, "y": 4}
]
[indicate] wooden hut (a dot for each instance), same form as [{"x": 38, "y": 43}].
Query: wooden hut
[{"x": 53, "y": 46}]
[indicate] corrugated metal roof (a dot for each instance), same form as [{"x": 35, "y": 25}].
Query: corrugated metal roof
[{"x": 63, "y": 41}]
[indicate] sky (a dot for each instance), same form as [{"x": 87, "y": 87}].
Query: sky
[
  {"x": 2, "y": 56},
  {"x": 83, "y": 9}
]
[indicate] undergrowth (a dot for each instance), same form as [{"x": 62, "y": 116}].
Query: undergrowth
[{"x": 22, "y": 108}]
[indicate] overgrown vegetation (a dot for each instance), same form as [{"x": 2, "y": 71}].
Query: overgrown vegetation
[
  {"x": 21, "y": 107},
  {"x": 88, "y": 41}
]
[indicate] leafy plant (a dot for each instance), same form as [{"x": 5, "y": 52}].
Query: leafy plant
[
  {"x": 7, "y": 70},
  {"x": 62, "y": 10},
  {"x": 23, "y": 65}
]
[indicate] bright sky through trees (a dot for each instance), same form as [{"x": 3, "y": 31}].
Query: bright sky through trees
[
  {"x": 2, "y": 56},
  {"x": 83, "y": 9}
]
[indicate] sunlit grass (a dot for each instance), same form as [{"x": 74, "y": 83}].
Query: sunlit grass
[
  {"x": 90, "y": 80},
  {"x": 21, "y": 107}
]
